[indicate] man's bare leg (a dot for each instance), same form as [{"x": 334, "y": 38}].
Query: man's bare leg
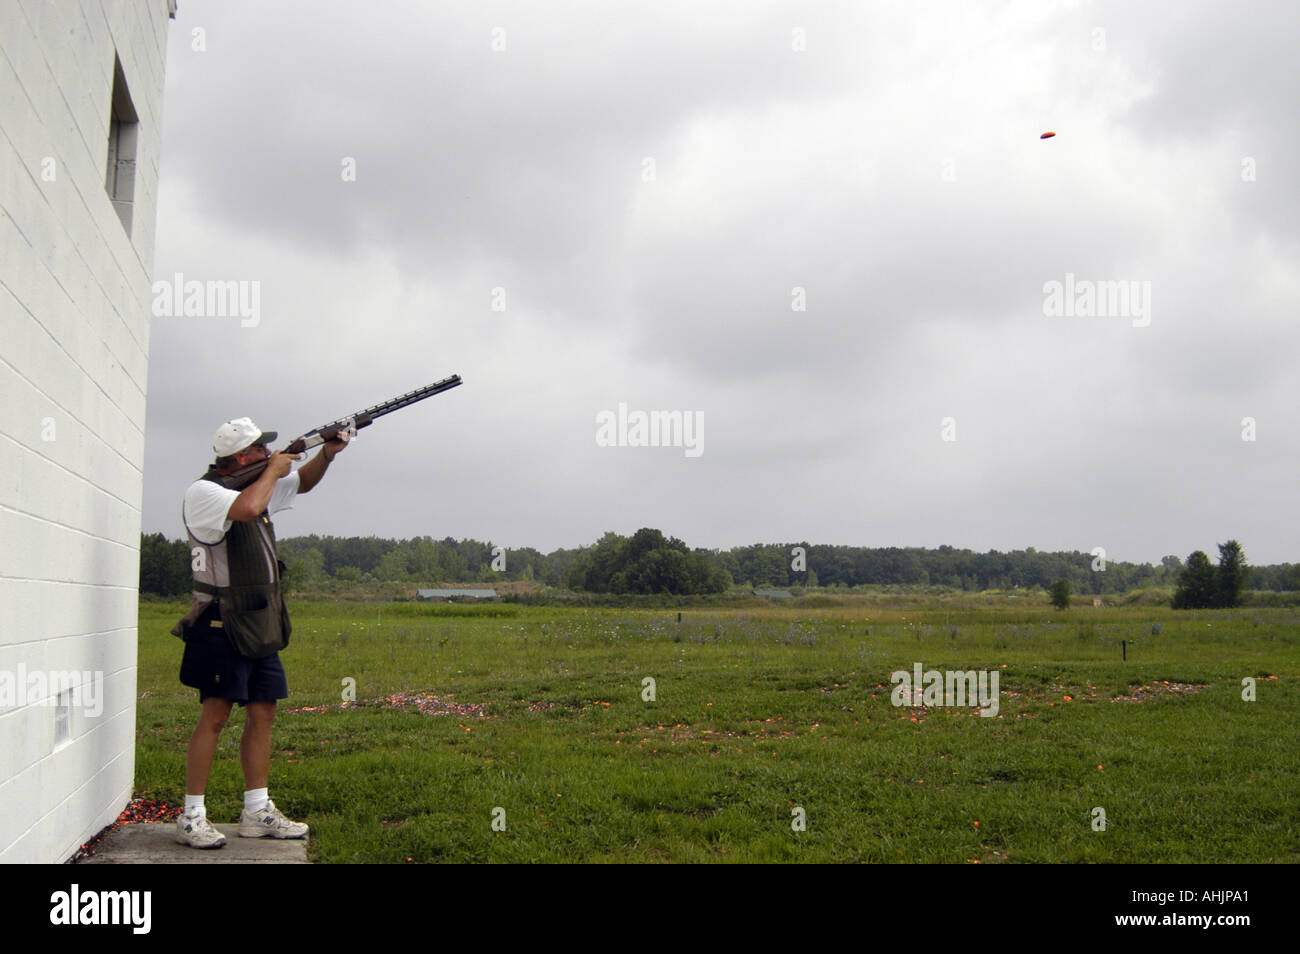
[
  {"x": 265, "y": 821},
  {"x": 203, "y": 744},
  {"x": 255, "y": 745},
  {"x": 193, "y": 827}
]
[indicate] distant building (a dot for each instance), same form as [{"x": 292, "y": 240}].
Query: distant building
[
  {"x": 477, "y": 594},
  {"x": 81, "y": 87},
  {"x": 774, "y": 594}
]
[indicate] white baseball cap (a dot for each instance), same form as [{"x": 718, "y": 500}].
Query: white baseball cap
[{"x": 234, "y": 436}]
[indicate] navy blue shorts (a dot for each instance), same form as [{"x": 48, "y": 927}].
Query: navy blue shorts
[{"x": 212, "y": 666}]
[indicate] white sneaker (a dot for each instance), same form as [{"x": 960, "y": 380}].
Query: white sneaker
[
  {"x": 197, "y": 832},
  {"x": 269, "y": 823}
]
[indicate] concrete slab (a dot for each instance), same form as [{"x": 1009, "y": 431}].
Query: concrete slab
[{"x": 155, "y": 844}]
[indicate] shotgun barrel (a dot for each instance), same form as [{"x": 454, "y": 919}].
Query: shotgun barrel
[{"x": 239, "y": 479}]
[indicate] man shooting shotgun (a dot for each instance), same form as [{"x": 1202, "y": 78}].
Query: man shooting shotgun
[{"x": 237, "y": 622}]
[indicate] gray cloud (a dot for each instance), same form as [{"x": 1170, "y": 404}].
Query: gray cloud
[{"x": 892, "y": 169}]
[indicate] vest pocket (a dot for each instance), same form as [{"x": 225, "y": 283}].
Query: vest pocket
[{"x": 256, "y": 620}]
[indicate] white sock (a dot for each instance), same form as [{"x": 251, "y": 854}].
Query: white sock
[
  {"x": 255, "y": 799},
  {"x": 194, "y": 805}
]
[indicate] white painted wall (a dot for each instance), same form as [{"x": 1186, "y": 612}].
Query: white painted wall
[{"x": 74, "y": 337}]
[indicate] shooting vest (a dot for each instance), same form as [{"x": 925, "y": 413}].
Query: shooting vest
[{"x": 242, "y": 573}]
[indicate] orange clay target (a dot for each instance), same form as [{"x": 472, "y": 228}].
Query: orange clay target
[{"x": 1047, "y": 135}]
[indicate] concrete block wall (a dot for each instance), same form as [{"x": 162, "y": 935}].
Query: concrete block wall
[{"x": 74, "y": 338}]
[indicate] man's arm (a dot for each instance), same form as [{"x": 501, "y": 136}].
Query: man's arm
[
  {"x": 257, "y": 496},
  {"x": 310, "y": 473}
]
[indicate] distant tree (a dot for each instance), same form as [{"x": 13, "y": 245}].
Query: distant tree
[
  {"x": 595, "y": 568},
  {"x": 555, "y": 571},
  {"x": 765, "y": 564},
  {"x": 720, "y": 580},
  {"x": 1197, "y": 587},
  {"x": 1060, "y": 593},
  {"x": 452, "y": 564},
  {"x": 392, "y": 566},
  {"x": 523, "y": 563},
  {"x": 164, "y": 566},
  {"x": 303, "y": 565},
  {"x": 643, "y": 541},
  {"x": 647, "y": 562},
  {"x": 661, "y": 570},
  {"x": 1231, "y": 579}
]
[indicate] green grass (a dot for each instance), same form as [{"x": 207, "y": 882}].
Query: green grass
[{"x": 759, "y": 711}]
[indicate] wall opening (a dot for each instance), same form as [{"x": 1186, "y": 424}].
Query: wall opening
[{"x": 123, "y": 133}]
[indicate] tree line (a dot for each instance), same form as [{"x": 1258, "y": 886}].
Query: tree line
[{"x": 649, "y": 562}]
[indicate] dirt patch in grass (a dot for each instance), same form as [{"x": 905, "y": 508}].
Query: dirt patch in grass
[
  {"x": 1157, "y": 689},
  {"x": 681, "y": 732},
  {"x": 576, "y": 707},
  {"x": 1053, "y": 694},
  {"x": 425, "y": 703},
  {"x": 1161, "y": 687}
]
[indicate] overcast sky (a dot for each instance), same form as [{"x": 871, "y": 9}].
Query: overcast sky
[{"x": 822, "y": 228}]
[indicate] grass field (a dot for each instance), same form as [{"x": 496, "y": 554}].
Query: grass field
[{"x": 537, "y": 718}]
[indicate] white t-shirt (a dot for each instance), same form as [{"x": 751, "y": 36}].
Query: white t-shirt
[{"x": 207, "y": 504}]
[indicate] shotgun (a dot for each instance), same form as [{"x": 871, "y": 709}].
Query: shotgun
[{"x": 348, "y": 426}]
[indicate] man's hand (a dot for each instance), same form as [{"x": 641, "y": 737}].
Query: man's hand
[
  {"x": 257, "y": 496},
  {"x": 279, "y": 464}
]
